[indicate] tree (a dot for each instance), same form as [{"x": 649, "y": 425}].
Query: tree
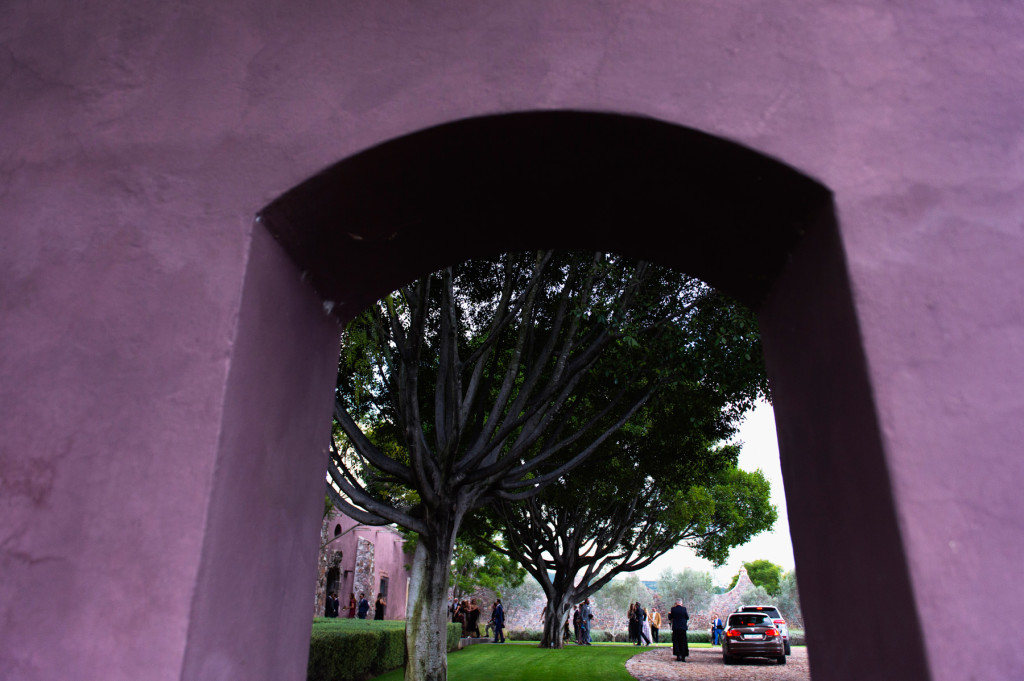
[
  {"x": 457, "y": 391},
  {"x": 693, "y": 586},
  {"x": 762, "y": 573},
  {"x": 515, "y": 598},
  {"x": 617, "y": 595},
  {"x": 476, "y": 567},
  {"x": 788, "y": 600},
  {"x": 660, "y": 480}
]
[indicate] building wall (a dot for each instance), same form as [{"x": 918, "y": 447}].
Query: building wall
[
  {"x": 366, "y": 555},
  {"x": 167, "y": 371}
]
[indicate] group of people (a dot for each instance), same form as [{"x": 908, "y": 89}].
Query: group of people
[
  {"x": 582, "y": 617},
  {"x": 360, "y": 608},
  {"x": 467, "y": 613},
  {"x": 643, "y": 625}
]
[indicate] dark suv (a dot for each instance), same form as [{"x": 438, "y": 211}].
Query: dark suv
[
  {"x": 777, "y": 619},
  {"x": 751, "y": 634}
]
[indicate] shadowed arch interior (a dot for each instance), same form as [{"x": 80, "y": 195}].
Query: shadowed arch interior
[{"x": 545, "y": 180}]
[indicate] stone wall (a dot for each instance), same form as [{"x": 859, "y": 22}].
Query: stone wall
[{"x": 364, "y": 582}]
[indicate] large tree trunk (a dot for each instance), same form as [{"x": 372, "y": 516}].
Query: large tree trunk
[
  {"x": 427, "y": 619},
  {"x": 554, "y": 621}
]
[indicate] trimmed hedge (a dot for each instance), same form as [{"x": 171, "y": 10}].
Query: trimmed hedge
[{"x": 350, "y": 650}]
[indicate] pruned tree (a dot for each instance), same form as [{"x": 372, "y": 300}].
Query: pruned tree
[
  {"x": 458, "y": 390},
  {"x": 574, "y": 549},
  {"x": 661, "y": 480},
  {"x": 763, "y": 573}
]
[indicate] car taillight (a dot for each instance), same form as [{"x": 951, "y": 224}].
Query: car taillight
[
  {"x": 732, "y": 633},
  {"x": 779, "y": 622},
  {"x": 771, "y": 632}
]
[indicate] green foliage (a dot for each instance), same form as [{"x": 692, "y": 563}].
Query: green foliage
[
  {"x": 763, "y": 573},
  {"x": 736, "y": 507},
  {"x": 617, "y": 595},
  {"x": 693, "y": 586},
  {"x": 756, "y": 595},
  {"x": 475, "y": 565},
  {"x": 788, "y": 600},
  {"x": 344, "y": 649}
]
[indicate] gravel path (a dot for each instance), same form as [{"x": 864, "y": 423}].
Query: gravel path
[{"x": 705, "y": 664}]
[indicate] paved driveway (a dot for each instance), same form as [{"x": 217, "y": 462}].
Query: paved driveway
[{"x": 705, "y": 664}]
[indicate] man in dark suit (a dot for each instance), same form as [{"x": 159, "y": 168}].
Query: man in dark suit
[
  {"x": 499, "y": 622},
  {"x": 680, "y": 621},
  {"x": 331, "y": 608}
]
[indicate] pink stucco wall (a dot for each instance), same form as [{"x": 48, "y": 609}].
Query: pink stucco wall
[
  {"x": 390, "y": 560},
  {"x": 152, "y": 385}
]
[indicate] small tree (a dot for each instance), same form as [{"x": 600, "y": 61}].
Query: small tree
[
  {"x": 762, "y": 573},
  {"x": 617, "y": 595},
  {"x": 693, "y": 586},
  {"x": 789, "y": 600}
]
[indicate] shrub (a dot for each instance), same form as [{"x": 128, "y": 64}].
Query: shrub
[
  {"x": 349, "y": 650},
  {"x": 696, "y": 636},
  {"x": 797, "y": 638}
]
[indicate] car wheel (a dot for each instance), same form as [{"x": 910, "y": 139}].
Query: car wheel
[
  {"x": 788, "y": 649},
  {"x": 781, "y": 659},
  {"x": 728, "y": 659}
]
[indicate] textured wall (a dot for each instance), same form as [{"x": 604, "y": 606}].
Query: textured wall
[{"x": 139, "y": 139}]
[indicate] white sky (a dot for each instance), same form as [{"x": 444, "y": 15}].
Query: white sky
[{"x": 760, "y": 451}]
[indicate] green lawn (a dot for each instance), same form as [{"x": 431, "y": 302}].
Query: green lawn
[{"x": 525, "y": 661}]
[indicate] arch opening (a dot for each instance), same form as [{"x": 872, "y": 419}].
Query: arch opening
[{"x": 746, "y": 224}]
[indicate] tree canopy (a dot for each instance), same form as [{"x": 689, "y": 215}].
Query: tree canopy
[
  {"x": 491, "y": 381},
  {"x": 763, "y": 573}
]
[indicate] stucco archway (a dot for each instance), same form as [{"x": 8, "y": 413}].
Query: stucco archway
[
  {"x": 150, "y": 333},
  {"x": 745, "y": 223}
]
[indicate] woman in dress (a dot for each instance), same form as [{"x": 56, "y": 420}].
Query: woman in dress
[
  {"x": 378, "y": 607},
  {"x": 351, "y": 606},
  {"x": 645, "y": 627}
]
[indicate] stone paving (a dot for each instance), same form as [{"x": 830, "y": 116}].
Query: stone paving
[{"x": 705, "y": 664}]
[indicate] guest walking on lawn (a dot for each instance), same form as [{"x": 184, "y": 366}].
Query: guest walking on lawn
[
  {"x": 586, "y": 615},
  {"x": 576, "y": 621},
  {"x": 655, "y": 619},
  {"x": 378, "y": 608},
  {"x": 499, "y": 622},
  {"x": 351, "y": 605},
  {"x": 645, "y": 626},
  {"x": 364, "y": 607},
  {"x": 680, "y": 622}
]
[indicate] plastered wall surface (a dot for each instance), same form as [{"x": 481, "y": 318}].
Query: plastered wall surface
[{"x": 139, "y": 139}]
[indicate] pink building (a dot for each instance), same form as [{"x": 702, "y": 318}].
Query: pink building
[{"x": 357, "y": 559}]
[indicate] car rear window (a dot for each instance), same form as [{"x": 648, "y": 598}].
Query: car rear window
[
  {"x": 750, "y": 619},
  {"x": 771, "y": 612}
]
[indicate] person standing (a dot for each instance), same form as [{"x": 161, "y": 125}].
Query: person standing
[
  {"x": 499, "y": 622},
  {"x": 490, "y": 622},
  {"x": 332, "y": 605},
  {"x": 351, "y": 605},
  {"x": 631, "y": 628},
  {"x": 655, "y": 624},
  {"x": 645, "y": 627},
  {"x": 716, "y": 630},
  {"x": 378, "y": 607},
  {"x": 364, "y": 607},
  {"x": 680, "y": 622},
  {"x": 473, "y": 619},
  {"x": 586, "y": 617},
  {"x": 576, "y": 621}
]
